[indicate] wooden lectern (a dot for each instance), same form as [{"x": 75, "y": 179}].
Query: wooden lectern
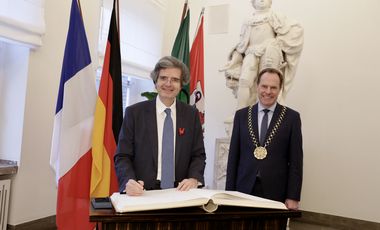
[{"x": 225, "y": 217}]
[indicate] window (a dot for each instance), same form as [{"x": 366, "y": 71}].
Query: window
[
  {"x": 132, "y": 88},
  {"x": 13, "y": 80},
  {"x": 22, "y": 24}
]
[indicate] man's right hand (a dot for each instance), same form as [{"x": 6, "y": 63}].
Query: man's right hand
[{"x": 134, "y": 188}]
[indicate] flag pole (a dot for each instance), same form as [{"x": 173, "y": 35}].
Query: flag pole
[
  {"x": 117, "y": 18},
  {"x": 184, "y": 10},
  {"x": 199, "y": 21},
  {"x": 80, "y": 8}
]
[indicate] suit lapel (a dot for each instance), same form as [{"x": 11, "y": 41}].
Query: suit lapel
[
  {"x": 255, "y": 120},
  {"x": 180, "y": 117},
  {"x": 151, "y": 120},
  {"x": 276, "y": 114}
]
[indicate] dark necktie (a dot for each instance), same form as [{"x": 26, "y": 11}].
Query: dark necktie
[
  {"x": 264, "y": 127},
  {"x": 167, "y": 160}
]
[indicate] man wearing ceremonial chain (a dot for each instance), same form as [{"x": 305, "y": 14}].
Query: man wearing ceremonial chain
[{"x": 266, "y": 156}]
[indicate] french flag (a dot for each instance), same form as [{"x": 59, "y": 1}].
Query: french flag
[{"x": 72, "y": 135}]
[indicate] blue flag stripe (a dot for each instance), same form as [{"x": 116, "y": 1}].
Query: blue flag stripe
[{"x": 77, "y": 53}]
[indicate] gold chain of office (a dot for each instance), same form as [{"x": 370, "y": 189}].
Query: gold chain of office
[{"x": 261, "y": 152}]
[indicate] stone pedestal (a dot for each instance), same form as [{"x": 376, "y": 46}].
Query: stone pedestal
[{"x": 222, "y": 146}]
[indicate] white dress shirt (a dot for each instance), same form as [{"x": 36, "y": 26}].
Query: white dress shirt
[
  {"x": 260, "y": 114},
  {"x": 161, "y": 115}
]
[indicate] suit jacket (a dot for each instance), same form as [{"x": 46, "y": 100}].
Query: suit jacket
[
  {"x": 137, "y": 151},
  {"x": 281, "y": 170}
]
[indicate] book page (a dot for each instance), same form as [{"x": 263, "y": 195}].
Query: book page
[
  {"x": 156, "y": 199},
  {"x": 234, "y": 198},
  {"x": 171, "y": 198}
]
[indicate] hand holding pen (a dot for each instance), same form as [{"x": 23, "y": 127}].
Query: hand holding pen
[{"x": 134, "y": 188}]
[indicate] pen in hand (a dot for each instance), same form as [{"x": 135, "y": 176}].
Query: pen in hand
[
  {"x": 134, "y": 188},
  {"x": 142, "y": 184}
]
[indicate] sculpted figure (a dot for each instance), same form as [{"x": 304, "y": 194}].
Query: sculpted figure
[{"x": 267, "y": 39}]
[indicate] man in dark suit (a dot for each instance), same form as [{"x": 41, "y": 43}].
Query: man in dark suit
[
  {"x": 139, "y": 156},
  {"x": 271, "y": 168}
]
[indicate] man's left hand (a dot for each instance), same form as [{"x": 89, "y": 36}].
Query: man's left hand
[
  {"x": 292, "y": 204},
  {"x": 187, "y": 184}
]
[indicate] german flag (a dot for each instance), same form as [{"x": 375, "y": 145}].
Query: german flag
[{"x": 108, "y": 117}]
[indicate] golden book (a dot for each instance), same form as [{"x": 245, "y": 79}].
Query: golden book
[{"x": 208, "y": 199}]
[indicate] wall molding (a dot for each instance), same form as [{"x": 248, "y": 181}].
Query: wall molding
[
  {"x": 22, "y": 22},
  {"x": 47, "y": 223}
]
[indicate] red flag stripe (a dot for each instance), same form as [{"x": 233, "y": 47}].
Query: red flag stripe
[
  {"x": 73, "y": 196},
  {"x": 197, "y": 72}
]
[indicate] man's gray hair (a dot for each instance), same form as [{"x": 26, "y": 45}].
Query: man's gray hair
[{"x": 171, "y": 62}]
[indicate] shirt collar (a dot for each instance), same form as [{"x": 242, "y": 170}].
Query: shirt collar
[
  {"x": 160, "y": 106},
  {"x": 261, "y": 107}
]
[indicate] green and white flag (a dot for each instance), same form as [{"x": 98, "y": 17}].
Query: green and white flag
[{"x": 182, "y": 52}]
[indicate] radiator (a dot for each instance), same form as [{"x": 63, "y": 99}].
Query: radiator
[{"x": 5, "y": 186}]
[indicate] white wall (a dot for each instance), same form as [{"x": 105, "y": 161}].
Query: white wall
[
  {"x": 335, "y": 90},
  {"x": 336, "y": 84},
  {"x": 33, "y": 191}
]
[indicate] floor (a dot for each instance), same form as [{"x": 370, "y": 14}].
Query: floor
[{"x": 295, "y": 225}]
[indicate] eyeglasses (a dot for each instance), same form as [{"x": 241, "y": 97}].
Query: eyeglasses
[{"x": 166, "y": 79}]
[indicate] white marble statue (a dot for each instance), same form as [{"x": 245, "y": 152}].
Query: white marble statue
[{"x": 267, "y": 38}]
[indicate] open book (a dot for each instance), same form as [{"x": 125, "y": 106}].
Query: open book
[{"x": 171, "y": 198}]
